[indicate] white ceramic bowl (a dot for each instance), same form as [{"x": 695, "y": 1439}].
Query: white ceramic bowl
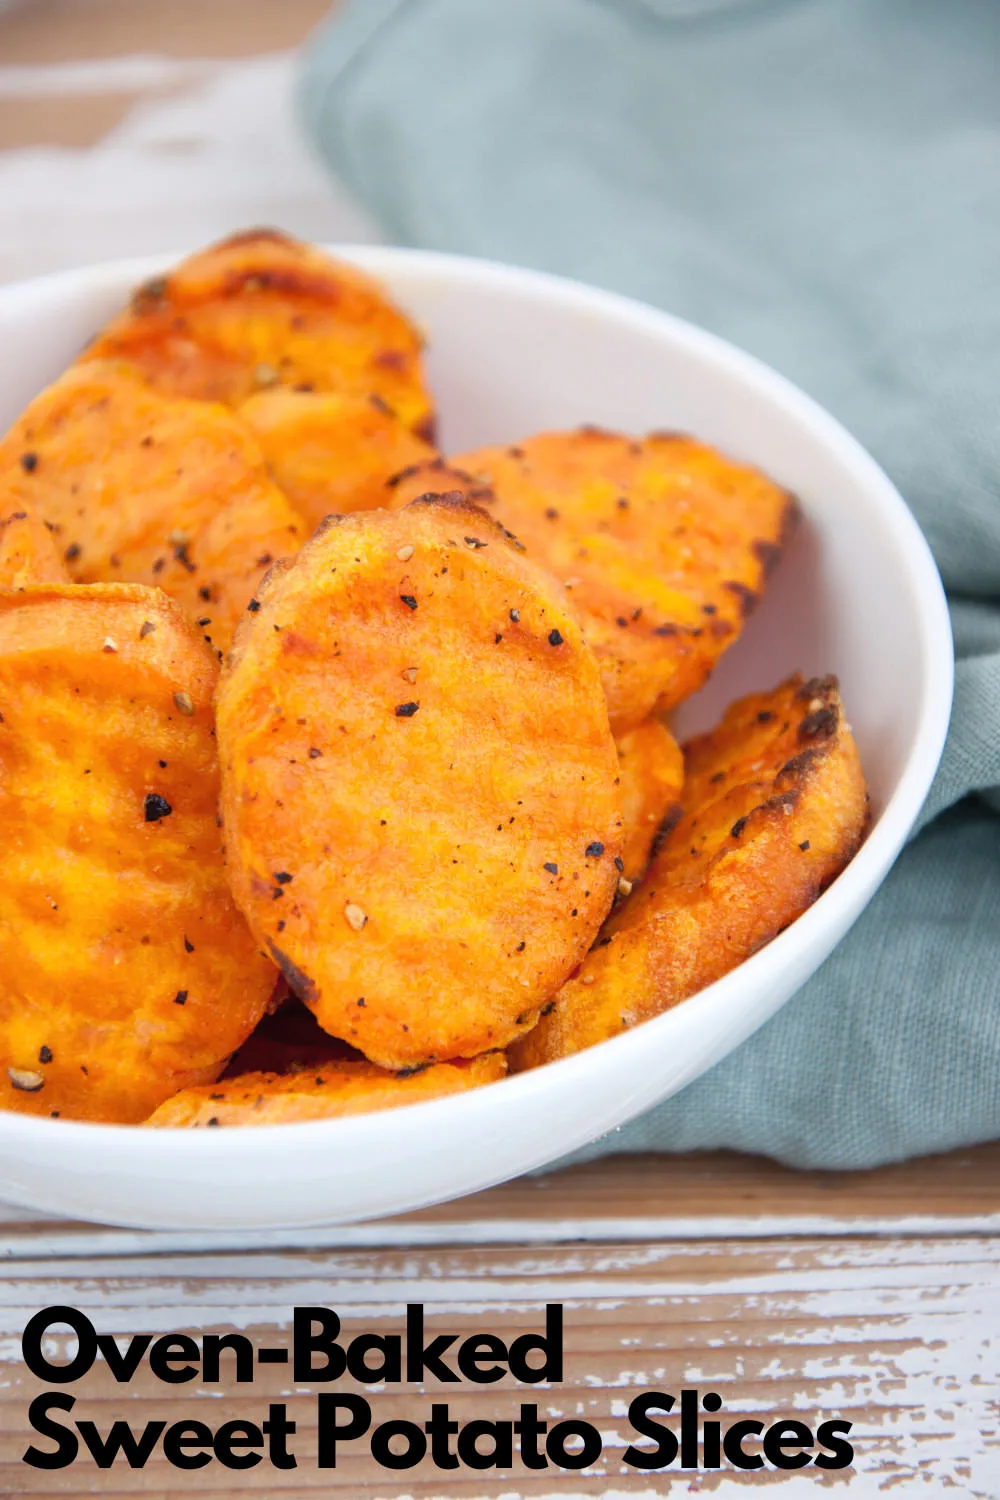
[{"x": 857, "y": 594}]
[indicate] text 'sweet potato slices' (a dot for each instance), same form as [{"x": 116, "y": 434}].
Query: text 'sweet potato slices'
[
  {"x": 664, "y": 543},
  {"x": 324, "y": 1092},
  {"x": 126, "y": 971},
  {"x": 331, "y": 452},
  {"x": 775, "y": 806},
  {"x": 143, "y": 488},
  {"x": 262, "y": 309},
  {"x": 419, "y": 782}
]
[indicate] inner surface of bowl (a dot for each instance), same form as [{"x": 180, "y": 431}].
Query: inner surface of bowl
[{"x": 857, "y": 594}]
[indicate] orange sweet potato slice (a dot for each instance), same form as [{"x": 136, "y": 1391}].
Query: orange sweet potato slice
[
  {"x": 126, "y": 971},
  {"x": 332, "y": 451},
  {"x": 419, "y": 795},
  {"x": 775, "y": 806},
  {"x": 326, "y": 1092},
  {"x": 651, "y": 775},
  {"x": 143, "y": 488},
  {"x": 664, "y": 543},
  {"x": 261, "y": 309},
  {"x": 28, "y": 552}
]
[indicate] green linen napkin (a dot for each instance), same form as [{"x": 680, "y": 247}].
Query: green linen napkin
[{"x": 818, "y": 181}]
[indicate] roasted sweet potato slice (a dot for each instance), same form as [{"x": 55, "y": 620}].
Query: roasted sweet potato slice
[
  {"x": 664, "y": 543},
  {"x": 434, "y": 476},
  {"x": 651, "y": 775},
  {"x": 126, "y": 971},
  {"x": 419, "y": 797},
  {"x": 28, "y": 553},
  {"x": 774, "y": 807},
  {"x": 143, "y": 488},
  {"x": 329, "y": 1091},
  {"x": 261, "y": 309},
  {"x": 331, "y": 452}
]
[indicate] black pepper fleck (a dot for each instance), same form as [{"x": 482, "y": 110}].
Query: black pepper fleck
[
  {"x": 595, "y": 850},
  {"x": 406, "y": 710},
  {"x": 555, "y": 639},
  {"x": 552, "y": 868},
  {"x": 29, "y": 462},
  {"x": 156, "y": 807},
  {"x": 181, "y": 997},
  {"x": 409, "y": 601}
]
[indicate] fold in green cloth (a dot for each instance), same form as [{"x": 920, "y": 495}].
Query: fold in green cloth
[{"x": 818, "y": 181}]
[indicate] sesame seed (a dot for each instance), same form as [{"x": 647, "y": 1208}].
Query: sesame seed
[
  {"x": 183, "y": 703},
  {"x": 409, "y": 674},
  {"x": 405, "y": 553},
  {"x": 145, "y": 629},
  {"x": 355, "y": 917},
  {"x": 26, "y": 1080},
  {"x": 624, "y": 886},
  {"x": 110, "y": 644},
  {"x": 586, "y": 978},
  {"x": 265, "y": 375}
]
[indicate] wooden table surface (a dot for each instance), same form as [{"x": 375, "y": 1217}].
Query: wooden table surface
[{"x": 134, "y": 125}]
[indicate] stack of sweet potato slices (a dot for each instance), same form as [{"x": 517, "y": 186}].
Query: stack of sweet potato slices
[{"x": 337, "y": 773}]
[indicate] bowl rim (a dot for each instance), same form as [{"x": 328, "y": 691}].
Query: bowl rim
[{"x": 836, "y": 909}]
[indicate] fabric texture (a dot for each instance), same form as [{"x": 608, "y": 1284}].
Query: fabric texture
[{"x": 818, "y": 181}]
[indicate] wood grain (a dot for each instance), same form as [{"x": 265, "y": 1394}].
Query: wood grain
[
  {"x": 615, "y": 1198},
  {"x": 883, "y": 1332},
  {"x": 47, "y": 31}
]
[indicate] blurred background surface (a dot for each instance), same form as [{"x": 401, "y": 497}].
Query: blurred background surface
[{"x": 134, "y": 126}]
